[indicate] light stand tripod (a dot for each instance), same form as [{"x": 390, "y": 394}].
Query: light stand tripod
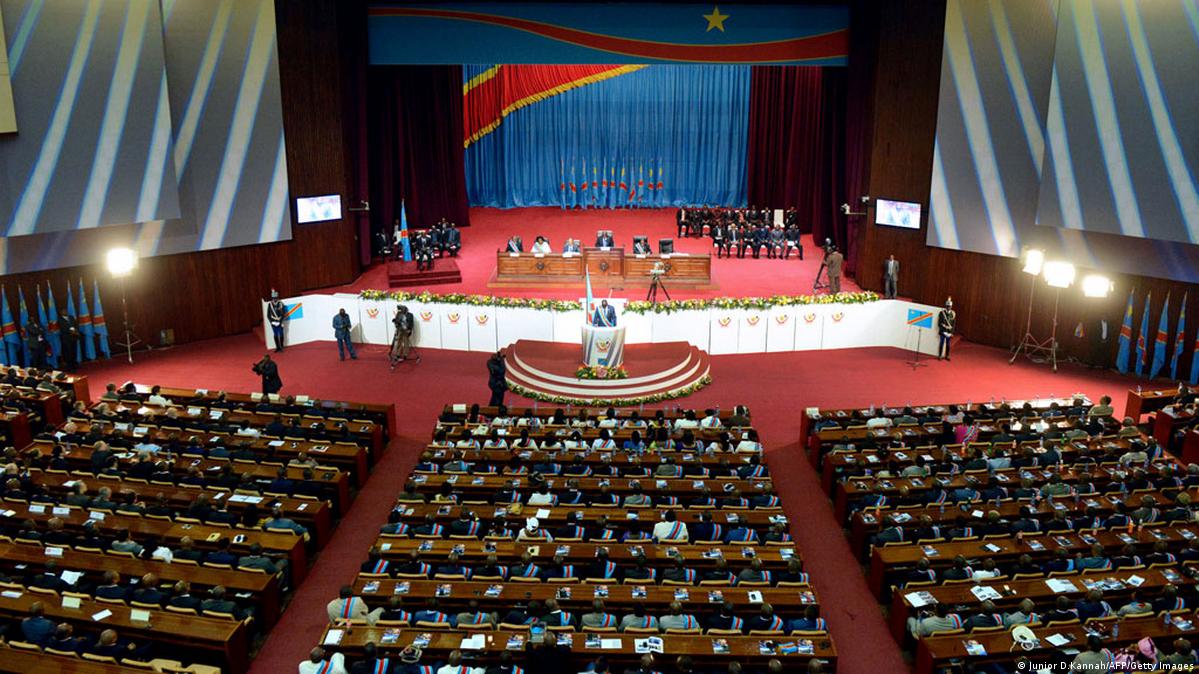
[
  {"x": 655, "y": 283},
  {"x": 915, "y": 361},
  {"x": 1031, "y": 345},
  {"x": 130, "y": 337}
]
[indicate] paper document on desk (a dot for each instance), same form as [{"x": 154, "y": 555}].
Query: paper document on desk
[{"x": 1060, "y": 585}]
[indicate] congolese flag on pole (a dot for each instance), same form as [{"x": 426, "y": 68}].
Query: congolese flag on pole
[
  {"x": 1125, "y": 337},
  {"x": 52, "y": 331},
  {"x": 8, "y": 327},
  {"x": 1161, "y": 340},
  {"x": 404, "y": 244},
  {"x": 1142, "y": 352},
  {"x": 1178, "y": 332}
]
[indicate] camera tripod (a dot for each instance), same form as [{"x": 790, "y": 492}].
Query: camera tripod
[
  {"x": 655, "y": 284},
  {"x": 392, "y": 353}
]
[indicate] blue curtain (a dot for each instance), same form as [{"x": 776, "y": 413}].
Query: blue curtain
[{"x": 685, "y": 127}]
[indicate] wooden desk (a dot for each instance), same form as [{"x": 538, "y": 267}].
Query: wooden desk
[
  {"x": 510, "y": 266},
  {"x": 218, "y": 640},
  {"x": 263, "y": 587},
  {"x": 16, "y": 661},
  {"x": 756, "y": 519},
  {"x": 335, "y": 480},
  {"x": 786, "y": 601},
  {"x": 744, "y": 649},
  {"x": 1144, "y": 401},
  {"x": 933, "y": 652},
  {"x": 385, "y": 412},
  {"x": 314, "y": 515},
  {"x": 606, "y": 267},
  {"x": 77, "y": 382},
  {"x": 283, "y": 545},
  {"x": 544, "y": 412},
  {"x": 886, "y": 560},
  {"x": 1015, "y": 591},
  {"x": 682, "y": 487},
  {"x": 865, "y": 524},
  {"x": 15, "y": 428},
  {"x": 347, "y": 457},
  {"x": 509, "y": 552},
  {"x": 592, "y": 457}
]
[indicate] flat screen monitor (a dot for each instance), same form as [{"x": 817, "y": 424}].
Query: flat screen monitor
[
  {"x": 897, "y": 213},
  {"x": 318, "y": 209}
]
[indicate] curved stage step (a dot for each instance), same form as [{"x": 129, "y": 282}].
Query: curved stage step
[{"x": 546, "y": 371}]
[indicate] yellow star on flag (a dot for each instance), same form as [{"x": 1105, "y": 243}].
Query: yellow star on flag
[{"x": 715, "y": 19}]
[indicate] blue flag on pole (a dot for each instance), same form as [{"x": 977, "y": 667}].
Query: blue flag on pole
[
  {"x": 1161, "y": 340},
  {"x": 99, "y": 326},
  {"x": 1142, "y": 352},
  {"x": 589, "y": 302},
  {"x": 74, "y": 314},
  {"x": 22, "y": 321},
  {"x": 52, "y": 332},
  {"x": 404, "y": 244},
  {"x": 1178, "y": 333},
  {"x": 1125, "y": 338},
  {"x": 41, "y": 319},
  {"x": 85, "y": 325},
  {"x": 12, "y": 341}
]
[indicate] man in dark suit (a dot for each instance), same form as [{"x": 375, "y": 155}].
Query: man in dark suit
[
  {"x": 497, "y": 371},
  {"x": 69, "y": 330},
  {"x": 451, "y": 240},
  {"x": 603, "y": 239},
  {"x": 605, "y": 315},
  {"x": 37, "y": 629}
]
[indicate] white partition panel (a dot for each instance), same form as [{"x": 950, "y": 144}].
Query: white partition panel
[
  {"x": 752, "y": 335},
  {"x": 809, "y": 327},
  {"x": 455, "y": 333},
  {"x": 427, "y": 319},
  {"x": 375, "y": 318},
  {"x": 566, "y": 326},
  {"x": 682, "y": 326},
  {"x": 724, "y": 326},
  {"x": 310, "y": 319},
  {"x": 780, "y": 328},
  {"x": 639, "y": 328},
  {"x": 481, "y": 324},
  {"x": 520, "y": 323}
]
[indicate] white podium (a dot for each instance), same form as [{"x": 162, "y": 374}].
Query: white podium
[{"x": 603, "y": 346}]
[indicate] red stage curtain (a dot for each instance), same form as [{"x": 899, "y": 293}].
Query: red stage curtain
[
  {"x": 797, "y": 147},
  {"x": 415, "y": 120}
]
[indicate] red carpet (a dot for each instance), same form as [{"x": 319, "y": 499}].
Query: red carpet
[
  {"x": 775, "y": 386},
  {"x": 491, "y": 227}
]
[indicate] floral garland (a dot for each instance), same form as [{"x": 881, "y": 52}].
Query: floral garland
[
  {"x": 758, "y": 303},
  {"x": 472, "y": 300},
  {"x": 668, "y": 307},
  {"x": 601, "y": 372},
  {"x": 611, "y": 402}
]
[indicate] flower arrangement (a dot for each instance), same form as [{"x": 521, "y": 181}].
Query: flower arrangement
[
  {"x": 472, "y": 300},
  {"x": 601, "y": 372},
  {"x": 668, "y": 307},
  {"x": 758, "y": 303},
  {"x": 611, "y": 402}
]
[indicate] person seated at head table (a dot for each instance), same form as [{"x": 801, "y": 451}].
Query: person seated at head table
[
  {"x": 515, "y": 245},
  {"x": 603, "y": 239}
]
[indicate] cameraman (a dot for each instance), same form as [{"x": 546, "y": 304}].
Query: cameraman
[
  {"x": 269, "y": 371},
  {"x": 404, "y": 324}
]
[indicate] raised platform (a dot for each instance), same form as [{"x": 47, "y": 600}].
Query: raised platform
[
  {"x": 402, "y": 274},
  {"x": 546, "y": 371}
]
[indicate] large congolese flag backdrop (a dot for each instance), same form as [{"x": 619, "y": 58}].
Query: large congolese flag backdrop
[{"x": 617, "y": 33}]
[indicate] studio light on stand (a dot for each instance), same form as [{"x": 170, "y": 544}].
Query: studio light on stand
[
  {"x": 1096, "y": 285},
  {"x": 120, "y": 263},
  {"x": 1058, "y": 274}
]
